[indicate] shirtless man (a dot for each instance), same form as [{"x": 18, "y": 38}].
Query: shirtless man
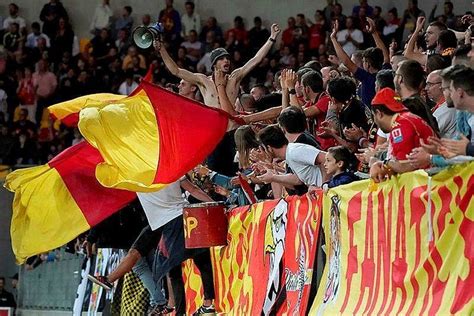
[
  {"x": 221, "y": 160},
  {"x": 220, "y": 60}
]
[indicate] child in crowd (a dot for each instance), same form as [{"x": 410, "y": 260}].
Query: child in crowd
[{"x": 339, "y": 165}]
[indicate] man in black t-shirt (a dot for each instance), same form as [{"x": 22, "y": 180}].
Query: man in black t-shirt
[{"x": 6, "y": 298}]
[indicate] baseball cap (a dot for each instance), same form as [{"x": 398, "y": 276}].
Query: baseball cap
[
  {"x": 218, "y": 53},
  {"x": 390, "y": 99}
]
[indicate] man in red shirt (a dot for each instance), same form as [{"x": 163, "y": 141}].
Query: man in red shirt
[
  {"x": 316, "y": 106},
  {"x": 406, "y": 130},
  {"x": 239, "y": 30},
  {"x": 287, "y": 36}
]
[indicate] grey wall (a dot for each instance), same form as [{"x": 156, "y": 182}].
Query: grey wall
[
  {"x": 81, "y": 11},
  {"x": 7, "y": 261}
]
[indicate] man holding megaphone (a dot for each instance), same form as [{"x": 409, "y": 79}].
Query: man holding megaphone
[{"x": 220, "y": 60}]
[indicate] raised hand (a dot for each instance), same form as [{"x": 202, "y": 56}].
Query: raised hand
[
  {"x": 335, "y": 29},
  {"x": 284, "y": 87},
  {"x": 157, "y": 45},
  {"x": 370, "y": 27},
  {"x": 275, "y": 30},
  {"x": 291, "y": 79},
  {"x": 220, "y": 78},
  {"x": 419, "y": 24}
]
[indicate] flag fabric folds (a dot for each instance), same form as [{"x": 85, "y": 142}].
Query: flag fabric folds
[
  {"x": 55, "y": 202},
  {"x": 67, "y": 112},
  {"x": 148, "y": 141}
]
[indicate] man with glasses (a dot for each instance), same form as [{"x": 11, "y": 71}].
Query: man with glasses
[
  {"x": 461, "y": 91},
  {"x": 445, "y": 116},
  {"x": 436, "y": 150}
]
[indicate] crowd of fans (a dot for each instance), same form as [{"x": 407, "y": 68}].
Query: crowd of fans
[
  {"x": 44, "y": 62},
  {"x": 364, "y": 93}
]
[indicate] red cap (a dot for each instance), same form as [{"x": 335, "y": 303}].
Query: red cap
[{"x": 390, "y": 99}]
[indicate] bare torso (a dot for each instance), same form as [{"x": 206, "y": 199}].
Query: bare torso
[{"x": 209, "y": 92}]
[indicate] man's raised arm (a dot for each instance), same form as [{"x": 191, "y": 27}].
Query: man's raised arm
[
  {"x": 257, "y": 59},
  {"x": 193, "y": 78},
  {"x": 341, "y": 54}
]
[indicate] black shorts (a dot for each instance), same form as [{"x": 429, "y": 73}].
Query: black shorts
[{"x": 147, "y": 240}]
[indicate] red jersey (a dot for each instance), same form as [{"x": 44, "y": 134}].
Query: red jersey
[
  {"x": 407, "y": 130},
  {"x": 240, "y": 34},
  {"x": 322, "y": 103},
  {"x": 287, "y": 37},
  {"x": 316, "y": 36}
]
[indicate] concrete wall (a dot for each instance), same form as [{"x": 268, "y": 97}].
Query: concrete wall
[
  {"x": 7, "y": 261},
  {"x": 81, "y": 11}
]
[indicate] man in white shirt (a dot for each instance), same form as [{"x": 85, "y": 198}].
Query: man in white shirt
[
  {"x": 190, "y": 20},
  {"x": 101, "y": 19},
  {"x": 445, "y": 116},
  {"x": 304, "y": 160},
  {"x": 128, "y": 85},
  {"x": 14, "y": 18},
  {"x": 350, "y": 38},
  {"x": 193, "y": 46},
  {"x": 32, "y": 38},
  {"x": 164, "y": 212}
]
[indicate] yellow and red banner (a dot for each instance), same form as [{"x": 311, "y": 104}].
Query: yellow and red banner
[
  {"x": 402, "y": 248},
  {"x": 268, "y": 262}
]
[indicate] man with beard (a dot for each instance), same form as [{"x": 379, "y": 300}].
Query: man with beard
[
  {"x": 221, "y": 160},
  {"x": 408, "y": 80},
  {"x": 431, "y": 40},
  {"x": 461, "y": 91}
]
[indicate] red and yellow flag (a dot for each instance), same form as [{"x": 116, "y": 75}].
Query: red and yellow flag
[
  {"x": 150, "y": 140},
  {"x": 56, "y": 202},
  {"x": 67, "y": 112}
]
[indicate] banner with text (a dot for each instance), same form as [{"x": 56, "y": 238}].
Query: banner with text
[{"x": 400, "y": 247}]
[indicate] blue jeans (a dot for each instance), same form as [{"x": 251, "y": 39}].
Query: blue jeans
[{"x": 143, "y": 270}]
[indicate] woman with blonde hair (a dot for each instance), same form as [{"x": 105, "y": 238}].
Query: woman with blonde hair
[{"x": 245, "y": 140}]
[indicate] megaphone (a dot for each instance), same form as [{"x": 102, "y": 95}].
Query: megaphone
[{"x": 144, "y": 36}]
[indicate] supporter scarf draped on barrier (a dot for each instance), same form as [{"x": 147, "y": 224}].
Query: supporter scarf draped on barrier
[
  {"x": 401, "y": 249},
  {"x": 268, "y": 262}
]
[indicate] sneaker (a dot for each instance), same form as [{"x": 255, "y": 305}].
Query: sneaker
[
  {"x": 160, "y": 310},
  {"x": 205, "y": 310},
  {"x": 100, "y": 280}
]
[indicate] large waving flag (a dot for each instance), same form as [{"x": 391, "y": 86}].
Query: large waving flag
[
  {"x": 67, "y": 112},
  {"x": 148, "y": 141},
  {"x": 56, "y": 202}
]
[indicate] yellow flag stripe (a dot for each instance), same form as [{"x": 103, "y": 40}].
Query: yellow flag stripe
[
  {"x": 37, "y": 216},
  {"x": 63, "y": 109},
  {"x": 130, "y": 125}
]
